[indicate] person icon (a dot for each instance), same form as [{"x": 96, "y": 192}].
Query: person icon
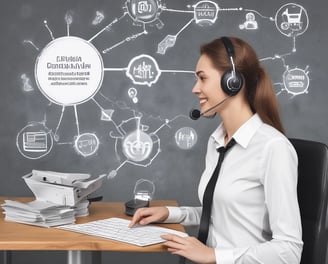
[{"x": 250, "y": 23}]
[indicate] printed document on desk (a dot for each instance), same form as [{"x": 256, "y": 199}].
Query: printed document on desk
[{"x": 38, "y": 213}]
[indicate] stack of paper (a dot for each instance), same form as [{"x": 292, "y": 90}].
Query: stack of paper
[
  {"x": 81, "y": 208},
  {"x": 59, "y": 198},
  {"x": 39, "y": 213}
]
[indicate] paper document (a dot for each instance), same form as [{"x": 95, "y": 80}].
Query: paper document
[
  {"x": 59, "y": 198},
  {"x": 38, "y": 213}
]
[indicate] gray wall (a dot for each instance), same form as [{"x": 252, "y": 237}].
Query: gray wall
[{"x": 164, "y": 105}]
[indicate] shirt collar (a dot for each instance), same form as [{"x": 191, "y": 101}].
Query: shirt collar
[{"x": 242, "y": 136}]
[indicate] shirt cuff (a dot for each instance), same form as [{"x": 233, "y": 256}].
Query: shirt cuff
[
  {"x": 224, "y": 256},
  {"x": 176, "y": 215}
]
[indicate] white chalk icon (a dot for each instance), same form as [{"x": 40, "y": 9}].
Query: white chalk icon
[
  {"x": 250, "y": 22},
  {"x": 27, "y": 87},
  {"x": 86, "y": 144},
  {"x": 185, "y": 138},
  {"x": 296, "y": 81},
  {"x": 34, "y": 141},
  {"x": 69, "y": 20},
  {"x": 137, "y": 146},
  {"x": 206, "y": 13},
  {"x": 99, "y": 17},
  {"x": 134, "y": 143},
  {"x": 144, "y": 11},
  {"x": 106, "y": 114},
  {"x": 292, "y": 20},
  {"x": 167, "y": 42},
  {"x": 143, "y": 69},
  {"x": 133, "y": 92}
]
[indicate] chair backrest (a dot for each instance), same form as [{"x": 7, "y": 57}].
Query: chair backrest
[{"x": 312, "y": 190}]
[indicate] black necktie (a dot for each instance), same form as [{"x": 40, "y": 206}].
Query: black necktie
[{"x": 208, "y": 195}]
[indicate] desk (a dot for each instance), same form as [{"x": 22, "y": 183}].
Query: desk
[{"x": 15, "y": 236}]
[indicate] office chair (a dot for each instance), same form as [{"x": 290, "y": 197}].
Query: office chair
[{"x": 312, "y": 190}]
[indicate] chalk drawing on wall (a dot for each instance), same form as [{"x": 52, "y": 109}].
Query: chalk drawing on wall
[
  {"x": 250, "y": 22},
  {"x": 26, "y": 83},
  {"x": 30, "y": 42},
  {"x": 135, "y": 144},
  {"x": 99, "y": 17},
  {"x": 69, "y": 72},
  {"x": 204, "y": 14},
  {"x": 143, "y": 13},
  {"x": 296, "y": 81},
  {"x": 292, "y": 20},
  {"x": 144, "y": 70},
  {"x": 34, "y": 141},
  {"x": 133, "y": 94},
  {"x": 86, "y": 144},
  {"x": 185, "y": 137}
]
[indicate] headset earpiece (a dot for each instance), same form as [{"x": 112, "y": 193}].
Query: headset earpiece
[{"x": 231, "y": 81}]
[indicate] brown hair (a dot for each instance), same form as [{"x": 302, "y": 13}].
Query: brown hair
[{"x": 258, "y": 87}]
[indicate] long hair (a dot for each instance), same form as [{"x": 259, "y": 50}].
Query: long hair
[{"x": 258, "y": 86}]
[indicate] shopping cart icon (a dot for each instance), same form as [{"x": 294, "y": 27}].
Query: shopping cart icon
[{"x": 292, "y": 21}]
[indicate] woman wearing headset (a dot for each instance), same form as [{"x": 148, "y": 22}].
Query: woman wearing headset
[{"x": 254, "y": 214}]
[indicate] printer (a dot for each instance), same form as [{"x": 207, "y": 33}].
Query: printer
[{"x": 62, "y": 188}]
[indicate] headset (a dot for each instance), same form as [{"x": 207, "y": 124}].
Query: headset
[{"x": 232, "y": 80}]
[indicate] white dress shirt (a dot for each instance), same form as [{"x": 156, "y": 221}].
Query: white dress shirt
[{"x": 255, "y": 216}]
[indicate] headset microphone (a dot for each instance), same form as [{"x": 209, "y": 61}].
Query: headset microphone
[
  {"x": 196, "y": 114},
  {"x": 231, "y": 81}
]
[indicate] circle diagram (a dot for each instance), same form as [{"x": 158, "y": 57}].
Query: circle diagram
[
  {"x": 69, "y": 71},
  {"x": 137, "y": 146},
  {"x": 86, "y": 144},
  {"x": 143, "y": 11},
  {"x": 186, "y": 138},
  {"x": 292, "y": 20},
  {"x": 34, "y": 141},
  {"x": 296, "y": 81}
]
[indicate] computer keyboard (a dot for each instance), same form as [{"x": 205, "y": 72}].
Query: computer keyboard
[{"x": 118, "y": 229}]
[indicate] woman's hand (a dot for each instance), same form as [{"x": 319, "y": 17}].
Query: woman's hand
[
  {"x": 144, "y": 216},
  {"x": 190, "y": 248}
]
